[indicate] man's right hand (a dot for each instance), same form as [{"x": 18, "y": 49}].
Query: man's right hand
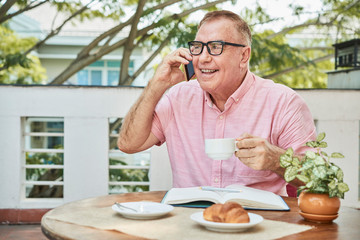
[{"x": 168, "y": 72}]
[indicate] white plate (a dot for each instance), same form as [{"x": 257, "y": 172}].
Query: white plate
[
  {"x": 227, "y": 227},
  {"x": 146, "y": 210}
]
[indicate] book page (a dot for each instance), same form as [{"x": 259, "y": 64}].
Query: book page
[
  {"x": 256, "y": 198},
  {"x": 249, "y": 198},
  {"x": 186, "y": 195}
]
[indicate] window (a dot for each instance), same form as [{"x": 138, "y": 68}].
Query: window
[
  {"x": 127, "y": 172},
  {"x": 43, "y": 150},
  {"x": 113, "y": 78},
  {"x": 104, "y": 73}
]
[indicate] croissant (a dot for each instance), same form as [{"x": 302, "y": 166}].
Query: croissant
[{"x": 230, "y": 212}]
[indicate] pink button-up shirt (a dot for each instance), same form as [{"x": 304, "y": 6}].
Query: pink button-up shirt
[{"x": 186, "y": 116}]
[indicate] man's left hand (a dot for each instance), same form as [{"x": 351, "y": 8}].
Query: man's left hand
[{"x": 257, "y": 153}]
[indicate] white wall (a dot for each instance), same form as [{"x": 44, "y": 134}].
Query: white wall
[
  {"x": 86, "y": 111},
  {"x": 55, "y": 66},
  {"x": 345, "y": 79},
  {"x": 338, "y": 115}
]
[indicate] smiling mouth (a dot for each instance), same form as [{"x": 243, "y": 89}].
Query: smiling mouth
[{"x": 208, "y": 70}]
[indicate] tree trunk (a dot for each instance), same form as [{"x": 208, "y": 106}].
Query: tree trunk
[
  {"x": 129, "y": 45},
  {"x": 85, "y": 58}
]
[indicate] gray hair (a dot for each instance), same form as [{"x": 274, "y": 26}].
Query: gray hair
[{"x": 241, "y": 25}]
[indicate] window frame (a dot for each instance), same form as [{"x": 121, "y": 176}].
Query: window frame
[
  {"x": 26, "y": 132},
  {"x": 105, "y": 69},
  {"x": 121, "y": 167}
]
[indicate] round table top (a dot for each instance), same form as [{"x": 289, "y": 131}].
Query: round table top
[{"x": 346, "y": 226}]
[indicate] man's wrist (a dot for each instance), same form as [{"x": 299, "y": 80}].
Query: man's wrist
[{"x": 156, "y": 86}]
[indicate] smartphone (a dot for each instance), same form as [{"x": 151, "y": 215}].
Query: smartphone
[{"x": 189, "y": 69}]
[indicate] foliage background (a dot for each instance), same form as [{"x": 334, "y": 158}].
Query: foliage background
[{"x": 162, "y": 25}]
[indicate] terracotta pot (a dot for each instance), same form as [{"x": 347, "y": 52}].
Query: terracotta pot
[{"x": 318, "y": 207}]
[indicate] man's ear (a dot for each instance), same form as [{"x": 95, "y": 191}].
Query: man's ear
[{"x": 245, "y": 56}]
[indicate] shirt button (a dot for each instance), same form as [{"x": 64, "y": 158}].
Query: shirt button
[
  {"x": 216, "y": 180},
  {"x": 221, "y": 117}
]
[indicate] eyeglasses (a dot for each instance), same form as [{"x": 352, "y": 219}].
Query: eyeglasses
[{"x": 214, "y": 48}]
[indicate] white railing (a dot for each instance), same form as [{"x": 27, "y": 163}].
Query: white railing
[{"x": 86, "y": 112}]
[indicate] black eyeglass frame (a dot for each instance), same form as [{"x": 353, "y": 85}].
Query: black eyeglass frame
[{"x": 209, "y": 50}]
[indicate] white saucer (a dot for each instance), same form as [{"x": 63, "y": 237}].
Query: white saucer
[
  {"x": 227, "y": 227},
  {"x": 146, "y": 210}
]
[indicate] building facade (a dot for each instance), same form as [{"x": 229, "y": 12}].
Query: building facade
[{"x": 61, "y": 50}]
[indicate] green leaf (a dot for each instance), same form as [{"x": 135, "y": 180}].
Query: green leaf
[
  {"x": 284, "y": 164},
  {"x": 303, "y": 178},
  {"x": 319, "y": 161},
  {"x": 340, "y": 175},
  {"x": 296, "y": 162},
  {"x": 324, "y": 154},
  {"x": 309, "y": 184},
  {"x": 290, "y": 173},
  {"x": 322, "y": 145},
  {"x": 343, "y": 187},
  {"x": 307, "y": 165},
  {"x": 331, "y": 173},
  {"x": 289, "y": 152},
  {"x": 333, "y": 193},
  {"x": 312, "y": 144},
  {"x": 334, "y": 168},
  {"x": 320, "y": 172},
  {"x": 340, "y": 195},
  {"x": 310, "y": 154},
  {"x": 332, "y": 184},
  {"x": 320, "y": 189},
  {"x": 301, "y": 188},
  {"x": 285, "y": 161},
  {"x": 320, "y": 137},
  {"x": 337, "y": 155}
]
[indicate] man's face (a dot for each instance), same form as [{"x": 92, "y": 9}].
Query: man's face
[{"x": 219, "y": 75}]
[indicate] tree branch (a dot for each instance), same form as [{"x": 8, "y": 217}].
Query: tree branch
[
  {"x": 84, "y": 57},
  {"x": 315, "y": 22},
  {"x": 291, "y": 69},
  {"x": 58, "y": 29},
  {"x": 115, "y": 30},
  {"x": 129, "y": 45},
  {"x": 163, "y": 44},
  {"x": 7, "y": 6},
  {"x": 321, "y": 48}
]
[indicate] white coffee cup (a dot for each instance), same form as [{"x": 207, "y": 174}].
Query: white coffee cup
[{"x": 220, "y": 148}]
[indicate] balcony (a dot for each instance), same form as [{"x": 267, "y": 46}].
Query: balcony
[{"x": 87, "y": 114}]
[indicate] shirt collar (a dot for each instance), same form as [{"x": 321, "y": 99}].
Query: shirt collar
[
  {"x": 208, "y": 99},
  {"x": 244, "y": 87},
  {"x": 239, "y": 93}
]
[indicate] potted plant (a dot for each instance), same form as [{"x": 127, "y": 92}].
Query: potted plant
[{"x": 323, "y": 181}]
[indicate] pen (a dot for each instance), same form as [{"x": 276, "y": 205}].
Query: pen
[{"x": 206, "y": 188}]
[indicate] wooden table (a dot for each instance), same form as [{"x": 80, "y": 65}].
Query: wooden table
[{"x": 346, "y": 226}]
